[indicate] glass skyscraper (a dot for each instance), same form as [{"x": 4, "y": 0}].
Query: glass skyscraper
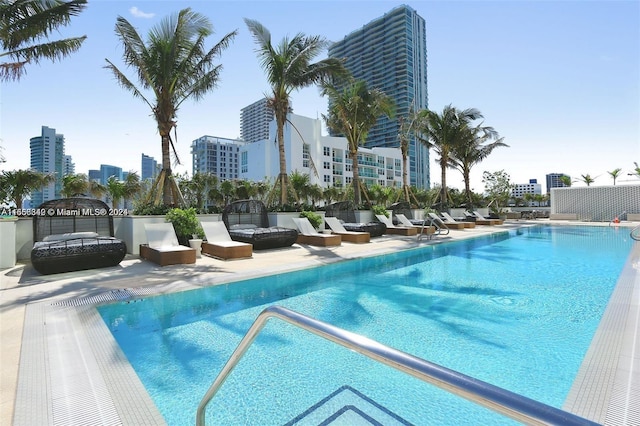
[
  {"x": 47, "y": 156},
  {"x": 390, "y": 53}
]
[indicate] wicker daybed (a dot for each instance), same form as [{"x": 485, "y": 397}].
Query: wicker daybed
[
  {"x": 247, "y": 221},
  {"x": 72, "y": 234},
  {"x": 403, "y": 207},
  {"x": 345, "y": 212}
]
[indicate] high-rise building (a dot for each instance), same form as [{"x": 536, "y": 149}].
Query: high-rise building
[
  {"x": 94, "y": 175},
  {"x": 554, "y": 180},
  {"x": 106, "y": 171},
  {"x": 390, "y": 53},
  {"x": 47, "y": 156},
  {"x": 218, "y": 156},
  {"x": 149, "y": 168},
  {"x": 254, "y": 121},
  {"x": 520, "y": 189},
  {"x": 69, "y": 167}
]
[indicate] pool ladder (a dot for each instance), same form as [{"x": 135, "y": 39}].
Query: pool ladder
[
  {"x": 515, "y": 406},
  {"x": 440, "y": 229},
  {"x": 635, "y": 233}
]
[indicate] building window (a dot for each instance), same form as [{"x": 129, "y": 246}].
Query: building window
[
  {"x": 327, "y": 165},
  {"x": 326, "y": 150},
  {"x": 327, "y": 179}
]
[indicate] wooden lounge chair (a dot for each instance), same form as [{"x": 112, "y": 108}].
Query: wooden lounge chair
[
  {"x": 422, "y": 228},
  {"x": 163, "y": 247},
  {"x": 404, "y": 208},
  {"x": 448, "y": 220},
  {"x": 443, "y": 223},
  {"x": 348, "y": 236},
  {"x": 308, "y": 235},
  {"x": 220, "y": 245},
  {"x": 396, "y": 230},
  {"x": 481, "y": 220}
]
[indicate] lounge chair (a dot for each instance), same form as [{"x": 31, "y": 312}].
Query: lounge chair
[
  {"x": 443, "y": 223},
  {"x": 449, "y": 220},
  {"x": 308, "y": 235},
  {"x": 404, "y": 208},
  {"x": 349, "y": 236},
  {"x": 77, "y": 235},
  {"x": 163, "y": 248},
  {"x": 345, "y": 212},
  {"x": 247, "y": 221},
  {"x": 219, "y": 244},
  {"x": 396, "y": 230},
  {"x": 424, "y": 229},
  {"x": 481, "y": 220}
]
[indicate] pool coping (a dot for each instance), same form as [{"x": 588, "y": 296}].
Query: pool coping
[{"x": 88, "y": 379}]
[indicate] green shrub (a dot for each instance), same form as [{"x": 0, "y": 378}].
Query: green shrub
[
  {"x": 314, "y": 218},
  {"x": 380, "y": 210},
  {"x": 185, "y": 222}
]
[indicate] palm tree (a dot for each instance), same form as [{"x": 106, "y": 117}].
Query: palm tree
[
  {"x": 20, "y": 183},
  {"x": 174, "y": 66},
  {"x": 565, "y": 180},
  {"x": 353, "y": 111},
  {"x": 587, "y": 179},
  {"x": 288, "y": 67},
  {"x": 614, "y": 174},
  {"x": 74, "y": 184},
  {"x": 115, "y": 190},
  {"x": 132, "y": 186},
  {"x": 472, "y": 149},
  {"x": 24, "y": 27},
  {"x": 96, "y": 189},
  {"x": 407, "y": 129},
  {"x": 442, "y": 132}
]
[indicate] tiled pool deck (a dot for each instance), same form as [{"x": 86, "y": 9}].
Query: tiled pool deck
[{"x": 60, "y": 364}]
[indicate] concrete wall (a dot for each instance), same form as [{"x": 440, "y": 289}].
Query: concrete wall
[{"x": 596, "y": 203}]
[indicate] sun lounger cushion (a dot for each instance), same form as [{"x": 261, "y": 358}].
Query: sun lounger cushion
[{"x": 264, "y": 238}]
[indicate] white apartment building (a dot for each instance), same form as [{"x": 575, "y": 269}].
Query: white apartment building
[
  {"x": 520, "y": 189},
  {"x": 254, "y": 121},
  {"x": 219, "y": 156},
  {"x": 324, "y": 158}
]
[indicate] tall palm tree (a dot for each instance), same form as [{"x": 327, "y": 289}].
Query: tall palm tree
[
  {"x": 587, "y": 179},
  {"x": 21, "y": 183},
  {"x": 25, "y": 27},
  {"x": 442, "y": 132},
  {"x": 353, "y": 111},
  {"x": 175, "y": 66},
  {"x": 115, "y": 190},
  {"x": 472, "y": 149},
  {"x": 614, "y": 174},
  {"x": 288, "y": 67}
]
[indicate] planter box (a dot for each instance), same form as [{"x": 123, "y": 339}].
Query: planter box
[{"x": 8, "y": 255}]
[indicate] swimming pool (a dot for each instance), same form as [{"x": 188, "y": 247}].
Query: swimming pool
[{"x": 510, "y": 309}]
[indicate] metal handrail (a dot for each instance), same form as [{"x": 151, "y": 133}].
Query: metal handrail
[
  {"x": 508, "y": 403},
  {"x": 635, "y": 233}
]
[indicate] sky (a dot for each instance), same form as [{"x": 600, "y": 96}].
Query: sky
[{"x": 558, "y": 80}]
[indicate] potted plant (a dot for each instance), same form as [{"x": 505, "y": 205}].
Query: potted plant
[
  {"x": 314, "y": 218},
  {"x": 186, "y": 224}
]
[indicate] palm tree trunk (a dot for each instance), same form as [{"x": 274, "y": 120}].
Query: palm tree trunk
[
  {"x": 444, "y": 197},
  {"x": 282, "y": 177},
  {"x": 166, "y": 167},
  {"x": 467, "y": 188},
  {"x": 356, "y": 177}
]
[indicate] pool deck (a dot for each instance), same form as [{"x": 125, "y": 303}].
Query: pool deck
[{"x": 60, "y": 365}]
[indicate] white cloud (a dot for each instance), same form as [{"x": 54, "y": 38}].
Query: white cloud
[{"x": 140, "y": 14}]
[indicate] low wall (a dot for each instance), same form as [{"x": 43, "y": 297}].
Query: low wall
[{"x": 596, "y": 203}]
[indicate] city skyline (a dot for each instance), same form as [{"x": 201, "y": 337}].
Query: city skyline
[{"x": 558, "y": 80}]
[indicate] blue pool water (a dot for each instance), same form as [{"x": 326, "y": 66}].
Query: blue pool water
[{"x": 517, "y": 309}]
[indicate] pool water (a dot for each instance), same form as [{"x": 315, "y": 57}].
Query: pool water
[{"x": 516, "y": 309}]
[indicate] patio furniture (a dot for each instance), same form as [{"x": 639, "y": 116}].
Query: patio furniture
[
  {"x": 404, "y": 208},
  {"x": 481, "y": 220},
  {"x": 345, "y": 212},
  {"x": 308, "y": 235},
  {"x": 247, "y": 221},
  {"x": 219, "y": 244},
  {"x": 424, "y": 229},
  {"x": 348, "y": 236},
  {"x": 396, "y": 230},
  {"x": 444, "y": 223},
  {"x": 450, "y": 220},
  {"x": 163, "y": 247},
  {"x": 73, "y": 234}
]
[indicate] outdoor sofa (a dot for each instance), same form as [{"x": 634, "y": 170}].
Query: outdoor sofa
[
  {"x": 247, "y": 221},
  {"x": 72, "y": 234}
]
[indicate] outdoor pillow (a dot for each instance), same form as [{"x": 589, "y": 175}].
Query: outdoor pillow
[{"x": 70, "y": 236}]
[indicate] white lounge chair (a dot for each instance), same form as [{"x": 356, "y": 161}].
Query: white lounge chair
[
  {"x": 424, "y": 229},
  {"x": 396, "y": 230},
  {"x": 219, "y": 244},
  {"x": 448, "y": 220},
  {"x": 481, "y": 220},
  {"x": 443, "y": 223},
  {"x": 162, "y": 246},
  {"x": 308, "y": 235},
  {"x": 348, "y": 236}
]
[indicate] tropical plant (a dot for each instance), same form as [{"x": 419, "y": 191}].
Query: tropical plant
[
  {"x": 587, "y": 179},
  {"x": 314, "y": 218},
  {"x": 25, "y": 27},
  {"x": 614, "y": 174},
  {"x": 443, "y": 132},
  {"x": 636, "y": 171},
  {"x": 74, "y": 184},
  {"x": 353, "y": 111},
  {"x": 378, "y": 209},
  {"x": 132, "y": 186},
  {"x": 115, "y": 190},
  {"x": 498, "y": 189},
  {"x": 288, "y": 67},
  {"x": 185, "y": 223},
  {"x": 96, "y": 189},
  {"x": 20, "y": 183},
  {"x": 174, "y": 66},
  {"x": 565, "y": 180},
  {"x": 473, "y": 147},
  {"x": 407, "y": 129}
]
